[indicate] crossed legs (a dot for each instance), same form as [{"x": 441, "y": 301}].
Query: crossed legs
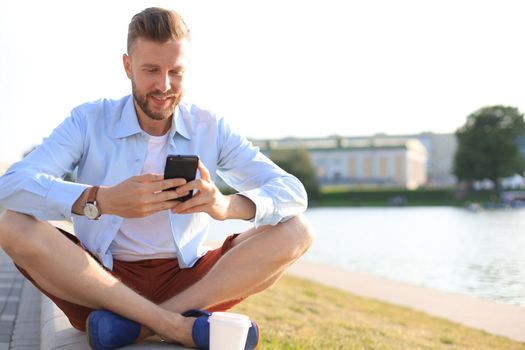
[{"x": 256, "y": 260}]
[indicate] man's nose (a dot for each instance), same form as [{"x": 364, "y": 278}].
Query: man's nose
[{"x": 164, "y": 82}]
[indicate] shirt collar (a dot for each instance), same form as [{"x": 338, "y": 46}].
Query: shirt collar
[
  {"x": 180, "y": 123},
  {"x": 128, "y": 123}
]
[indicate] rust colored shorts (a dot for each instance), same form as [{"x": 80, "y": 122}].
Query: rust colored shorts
[{"x": 156, "y": 279}]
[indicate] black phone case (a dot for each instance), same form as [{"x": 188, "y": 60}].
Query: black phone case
[{"x": 181, "y": 166}]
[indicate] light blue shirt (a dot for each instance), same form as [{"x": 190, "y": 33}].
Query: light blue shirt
[{"x": 104, "y": 140}]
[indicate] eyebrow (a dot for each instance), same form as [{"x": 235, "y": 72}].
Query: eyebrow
[{"x": 150, "y": 65}]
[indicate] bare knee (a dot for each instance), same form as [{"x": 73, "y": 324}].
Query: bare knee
[
  {"x": 297, "y": 237},
  {"x": 18, "y": 235}
]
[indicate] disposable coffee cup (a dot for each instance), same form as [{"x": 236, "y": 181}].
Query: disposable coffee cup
[{"x": 228, "y": 331}]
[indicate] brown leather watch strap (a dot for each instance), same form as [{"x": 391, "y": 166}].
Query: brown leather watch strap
[{"x": 92, "y": 194}]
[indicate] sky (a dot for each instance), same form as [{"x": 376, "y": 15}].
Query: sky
[{"x": 273, "y": 68}]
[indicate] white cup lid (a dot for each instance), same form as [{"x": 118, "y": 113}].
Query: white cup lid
[{"x": 230, "y": 318}]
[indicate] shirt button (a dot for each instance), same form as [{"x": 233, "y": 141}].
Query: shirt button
[{"x": 137, "y": 160}]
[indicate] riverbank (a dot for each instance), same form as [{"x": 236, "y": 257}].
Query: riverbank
[
  {"x": 298, "y": 313},
  {"x": 379, "y": 197},
  {"x": 492, "y": 316}
]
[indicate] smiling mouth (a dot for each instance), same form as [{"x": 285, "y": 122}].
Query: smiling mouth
[{"x": 161, "y": 98}]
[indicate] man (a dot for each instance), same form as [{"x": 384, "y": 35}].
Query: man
[{"x": 139, "y": 266}]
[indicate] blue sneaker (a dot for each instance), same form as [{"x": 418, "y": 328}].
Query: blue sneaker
[
  {"x": 201, "y": 330},
  {"x": 107, "y": 330}
]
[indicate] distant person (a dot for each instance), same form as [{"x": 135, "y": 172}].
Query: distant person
[{"x": 138, "y": 265}]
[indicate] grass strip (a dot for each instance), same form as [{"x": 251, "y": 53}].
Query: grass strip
[
  {"x": 341, "y": 196},
  {"x": 300, "y": 314}
]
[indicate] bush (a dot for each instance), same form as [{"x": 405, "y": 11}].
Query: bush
[{"x": 298, "y": 163}]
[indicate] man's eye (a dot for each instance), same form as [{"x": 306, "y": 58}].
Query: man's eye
[{"x": 151, "y": 70}]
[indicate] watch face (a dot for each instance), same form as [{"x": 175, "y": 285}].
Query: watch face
[{"x": 91, "y": 211}]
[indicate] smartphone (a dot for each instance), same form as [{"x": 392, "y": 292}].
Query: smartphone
[{"x": 181, "y": 166}]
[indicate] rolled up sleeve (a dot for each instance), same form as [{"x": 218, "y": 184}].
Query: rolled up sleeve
[
  {"x": 277, "y": 195},
  {"x": 35, "y": 186}
]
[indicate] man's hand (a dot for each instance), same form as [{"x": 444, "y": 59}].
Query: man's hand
[
  {"x": 138, "y": 196},
  {"x": 209, "y": 199}
]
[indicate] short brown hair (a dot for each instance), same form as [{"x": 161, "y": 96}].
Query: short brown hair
[{"x": 157, "y": 24}]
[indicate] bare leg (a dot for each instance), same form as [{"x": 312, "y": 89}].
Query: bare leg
[
  {"x": 244, "y": 270},
  {"x": 65, "y": 270},
  {"x": 258, "y": 256},
  {"x": 257, "y": 260}
]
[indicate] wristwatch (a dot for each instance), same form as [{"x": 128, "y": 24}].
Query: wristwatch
[{"x": 91, "y": 209}]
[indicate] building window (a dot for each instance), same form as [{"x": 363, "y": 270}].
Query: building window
[
  {"x": 368, "y": 167},
  {"x": 383, "y": 167},
  {"x": 336, "y": 161},
  {"x": 352, "y": 167},
  {"x": 400, "y": 170},
  {"x": 321, "y": 172}
]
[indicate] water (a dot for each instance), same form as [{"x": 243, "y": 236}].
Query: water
[{"x": 478, "y": 254}]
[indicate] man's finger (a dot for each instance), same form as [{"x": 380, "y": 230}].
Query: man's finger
[
  {"x": 165, "y": 184},
  {"x": 155, "y": 208},
  {"x": 148, "y": 177},
  {"x": 197, "y": 184},
  {"x": 205, "y": 174},
  {"x": 190, "y": 203},
  {"x": 172, "y": 183},
  {"x": 163, "y": 196}
]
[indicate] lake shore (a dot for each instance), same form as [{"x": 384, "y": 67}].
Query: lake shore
[
  {"x": 348, "y": 196},
  {"x": 491, "y": 316}
]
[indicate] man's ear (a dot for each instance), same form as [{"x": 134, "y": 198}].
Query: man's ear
[{"x": 127, "y": 65}]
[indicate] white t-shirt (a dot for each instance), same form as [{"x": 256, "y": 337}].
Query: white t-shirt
[{"x": 149, "y": 237}]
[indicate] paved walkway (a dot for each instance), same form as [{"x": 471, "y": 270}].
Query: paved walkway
[{"x": 20, "y": 309}]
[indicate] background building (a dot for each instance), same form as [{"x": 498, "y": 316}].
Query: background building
[
  {"x": 407, "y": 161},
  {"x": 440, "y": 156}
]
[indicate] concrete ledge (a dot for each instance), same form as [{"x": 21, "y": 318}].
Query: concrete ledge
[{"x": 57, "y": 333}]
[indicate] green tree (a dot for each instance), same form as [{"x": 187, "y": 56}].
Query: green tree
[
  {"x": 488, "y": 145},
  {"x": 298, "y": 163}
]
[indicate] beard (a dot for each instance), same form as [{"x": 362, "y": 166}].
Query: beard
[{"x": 143, "y": 102}]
